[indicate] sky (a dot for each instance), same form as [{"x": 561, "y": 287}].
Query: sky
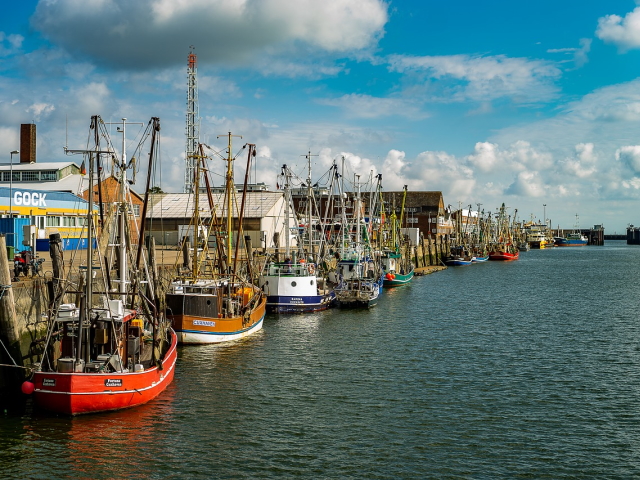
[{"x": 531, "y": 104}]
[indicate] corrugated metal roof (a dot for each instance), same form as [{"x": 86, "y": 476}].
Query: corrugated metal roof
[
  {"x": 22, "y": 167},
  {"x": 181, "y": 205},
  {"x": 75, "y": 184}
]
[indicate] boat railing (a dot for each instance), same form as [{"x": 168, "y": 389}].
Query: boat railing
[{"x": 292, "y": 269}]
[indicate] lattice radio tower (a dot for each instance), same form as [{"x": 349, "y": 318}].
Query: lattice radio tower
[{"x": 193, "y": 121}]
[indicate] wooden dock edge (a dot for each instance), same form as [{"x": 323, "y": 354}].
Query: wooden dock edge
[{"x": 429, "y": 269}]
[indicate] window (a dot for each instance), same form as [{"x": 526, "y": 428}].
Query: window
[
  {"x": 16, "y": 176},
  {"x": 53, "y": 221},
  {"x": 30, "y": 176},
  {"x": 48, "y": 176},
  {"x": 6, "y": 176},
  {"x": 69, "y": 221},
  {"x": 136, "y": 210}
]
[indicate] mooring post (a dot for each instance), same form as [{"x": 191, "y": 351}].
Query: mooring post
[
  {"x": 55, "y": 252},
  {"x": 249, "y": 251},
  {"x": 151, "y": 251},
  {"x": 9, "y": 331},
  {"x": 276, "y": 245},
  {"x": 186, "y": 253}
]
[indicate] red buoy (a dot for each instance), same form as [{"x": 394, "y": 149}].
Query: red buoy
[{"x": 28, "y": 387}]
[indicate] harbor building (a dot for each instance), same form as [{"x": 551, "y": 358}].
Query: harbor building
[
  {"x": 169, "y": 216},
  {"x": 45, "y": 196}
]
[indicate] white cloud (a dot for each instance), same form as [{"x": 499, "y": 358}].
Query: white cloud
[
  {"x": 271, "y": 67},
  {"x": 484, "y": 78},
  {"x": 630, "y": 156},
  {"x": 580, "y": 55},
  {"x": 624, "y": 32},
  {"x": 10, "y": 44},
  {"x": 527, "y": 184},
  {"x": 40, "y": 110},
  {"x": 91, "y": 98},
  {"x": 395, "y": 174},
  {"x": 485, "y": 157},
  {"x": 156, "y": 33},
  {"x": 443, "y": 171},
  {"x": 365, "y": 106},
  {"x": 489, "y": 157},
  {"x": 583, "y": 165}
]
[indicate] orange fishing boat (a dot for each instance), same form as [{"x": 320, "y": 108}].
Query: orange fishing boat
[{"x": 216, "y": 301}]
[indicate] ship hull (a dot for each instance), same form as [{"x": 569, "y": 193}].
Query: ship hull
[
  {"x": 457, "y": 262},
  {"x": 301, "y": 304},
  {"x": 571, "y": 243},
  {"x": 198, "y": 329},
  {"x": 503, "y": 256},
  {"x": 398, "y": 280},
  {"x": 81, "y": 393}
]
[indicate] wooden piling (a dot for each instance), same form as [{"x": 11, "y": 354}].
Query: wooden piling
[
  {"x": 276, "y": 245},
  {"x": 10, "y": 378},
  {"x": 186, "y": 253},
  {"x": 249, "y": 250},
  {"x": 57, "y": 263}
]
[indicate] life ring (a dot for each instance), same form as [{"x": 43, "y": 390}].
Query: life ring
[{"x": 311, "y": 268}]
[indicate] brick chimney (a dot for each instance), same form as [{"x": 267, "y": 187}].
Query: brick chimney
[{"x": 28, "y": 143}]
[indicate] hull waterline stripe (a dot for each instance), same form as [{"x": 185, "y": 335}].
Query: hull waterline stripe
[
  {"x": 222, "y": 333},
  {"x": 110, "y": 392}
]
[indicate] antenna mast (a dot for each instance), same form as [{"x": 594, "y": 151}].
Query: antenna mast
[{"x": 193, "y": 121}]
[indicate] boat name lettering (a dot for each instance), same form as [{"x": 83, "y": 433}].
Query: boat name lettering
[
  {"x": 204, "y": 323},
  {"x": 34, "y": 199},
  {"x": 296, "y": 300},
  {"x": 48, "y": 382},
  {"x": 113, "y": 382}
]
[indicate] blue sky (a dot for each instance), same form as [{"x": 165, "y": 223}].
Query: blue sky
[{"x": 527, "y": 103}]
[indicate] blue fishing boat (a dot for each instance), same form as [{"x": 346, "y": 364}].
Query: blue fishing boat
[
  {"x": 573, "y": 239},
  {"x": 458, "y": 257},
  {"x": 296, "y": 285}
]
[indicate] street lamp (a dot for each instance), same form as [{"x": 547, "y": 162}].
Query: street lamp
[{"x": 15, "y": 152}]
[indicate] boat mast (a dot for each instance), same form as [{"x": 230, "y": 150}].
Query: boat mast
[
  {"x": 122, "y": 253},
  {"x": 250, "y": 153},
  {"x": 84, "y": 313},
  {"x": 196, "y": 217},
  {"x": 309, "y": 195},
  {"x": 229, "y": 190},
  {"x": 343, "y": 209},
  {"x": 404, "y": 199},
  {"x": 287, "y": 228},
  {"x": 357, "y": 206}
]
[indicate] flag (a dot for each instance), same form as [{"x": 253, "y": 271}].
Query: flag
[{"x": 83, "y": 169}]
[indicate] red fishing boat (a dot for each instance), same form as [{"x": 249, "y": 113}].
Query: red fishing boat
[
  {"x": 114, "y": 350},
  {"x": 106, "y": 383},
  {"x": 504, "y": 252},
  {"x": 503, "y": 248}
]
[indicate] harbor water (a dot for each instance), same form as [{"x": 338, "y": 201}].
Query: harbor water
[{"x": 526, "y": 369}]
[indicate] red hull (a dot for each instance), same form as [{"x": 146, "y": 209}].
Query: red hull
[
  {"x": 78, "y": 393},
  {"x": 504, "y": 256}
]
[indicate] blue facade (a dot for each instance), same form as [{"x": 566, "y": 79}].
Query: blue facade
[{"x": 12, "y": 228}]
